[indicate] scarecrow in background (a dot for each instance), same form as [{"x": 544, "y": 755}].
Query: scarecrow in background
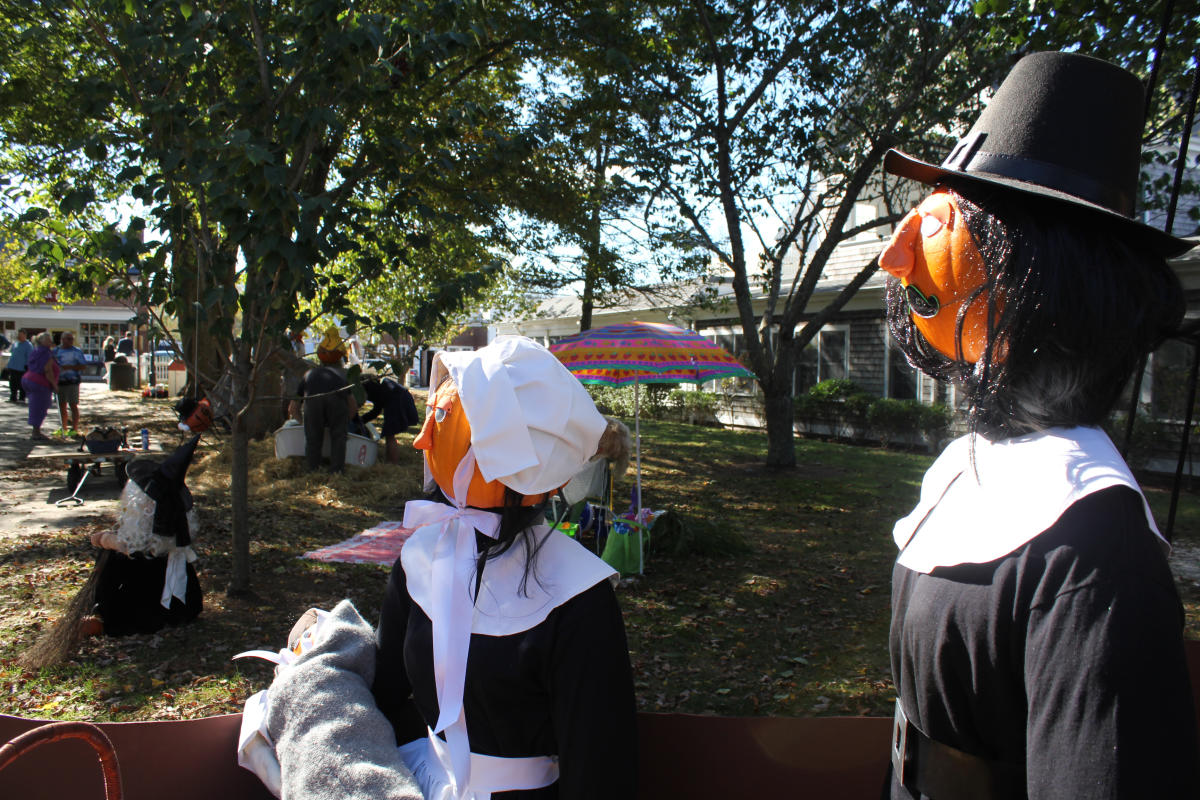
[
  {"x": 1036, "y": 635},
  {"x": 143, "y": 579},
  {"x": 328, "y": 404},
  {"x": 146, "y": 578}
]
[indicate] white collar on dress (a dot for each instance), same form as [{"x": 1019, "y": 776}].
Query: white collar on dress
[
  {"x": 1016, "y": 488},
  {"x": 564, "y": 569}
]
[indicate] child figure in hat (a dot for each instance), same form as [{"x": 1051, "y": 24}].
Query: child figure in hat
[
  {"x": 1036, "y": 635},
  {"x": 502, "y": 660}
]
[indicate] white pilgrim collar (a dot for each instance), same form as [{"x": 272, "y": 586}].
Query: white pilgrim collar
[
  {"x": 973, "y": 513},
  {"x": 564, "y": 570}
]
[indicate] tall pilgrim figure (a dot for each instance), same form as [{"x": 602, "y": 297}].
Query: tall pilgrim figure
[{"x": 1036, "y": 635}]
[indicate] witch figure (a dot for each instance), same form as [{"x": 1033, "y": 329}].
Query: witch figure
[
  {"x": 1036, "y": 634},
  {"x": 145, "y": 577}
]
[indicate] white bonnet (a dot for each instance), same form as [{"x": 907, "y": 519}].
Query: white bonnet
[{"x": 533, "y": 425}]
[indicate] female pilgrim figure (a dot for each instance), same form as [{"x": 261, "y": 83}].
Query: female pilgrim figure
[
  {"x": 1036, "y": 630},
  {"x": 145, "y": 576},
  {"x": 503, "y": 636}
]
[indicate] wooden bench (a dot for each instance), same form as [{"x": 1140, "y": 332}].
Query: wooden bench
[{"x": 681, "y": 755}]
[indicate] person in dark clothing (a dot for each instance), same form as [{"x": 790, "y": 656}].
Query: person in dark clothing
[
  {"x": 125, "y": 345},
  {"x": 1036, "y": 635},
  {"x": 328, "y": 406},
  {"x": 399, "y": 411},
  {"x": 18, "y": 357}
]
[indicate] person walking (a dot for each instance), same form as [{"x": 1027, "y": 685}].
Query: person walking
[
  {"x": 18, "y": 358},
  {"x": 110, "y": 349},
  {"x": 70, "y": 359},
  {"x": 399, "y": 411},
  {"x": 39, "y": 381}
]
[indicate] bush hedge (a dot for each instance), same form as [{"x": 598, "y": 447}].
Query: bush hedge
[
  {"x": 658, "y": 401},
  {"x": 842, "y": 409}
]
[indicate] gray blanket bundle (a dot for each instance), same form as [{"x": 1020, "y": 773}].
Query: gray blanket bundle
[{"x": 331, "y": 740}]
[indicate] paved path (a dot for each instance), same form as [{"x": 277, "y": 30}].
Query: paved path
[{"x": 29, "y": 490}]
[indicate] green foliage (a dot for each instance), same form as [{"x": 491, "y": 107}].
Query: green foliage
[
  {"x": 678, "y": 536},
  {"x": 658, "y": 402},
  {"x": 847, "y": 412},
  {"x": 890, "y": 418},
  {"x": 834, "y": 389}
]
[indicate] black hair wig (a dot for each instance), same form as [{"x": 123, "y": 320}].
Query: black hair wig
[{"x": 1073, "y": 305}]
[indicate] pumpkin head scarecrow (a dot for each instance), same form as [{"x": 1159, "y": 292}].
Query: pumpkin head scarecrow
[
  {"x": 475, "y": 632},
  {"x": 1034, "y": 618}
]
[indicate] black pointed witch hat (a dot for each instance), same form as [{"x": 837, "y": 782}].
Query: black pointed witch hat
[
  {"x": 1063, "y": 126},
  {"x": 163, "y": 481}
]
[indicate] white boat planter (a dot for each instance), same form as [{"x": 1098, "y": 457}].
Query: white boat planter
[{"x": 361, "y": 451}]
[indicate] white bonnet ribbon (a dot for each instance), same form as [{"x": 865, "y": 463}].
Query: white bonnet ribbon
[{"x": 454, "y": 557}]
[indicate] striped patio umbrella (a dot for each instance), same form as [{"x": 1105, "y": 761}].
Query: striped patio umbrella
[{"x": 644, "y": 352}]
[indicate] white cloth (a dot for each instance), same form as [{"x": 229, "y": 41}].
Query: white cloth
[
  {"x": 973, "y": 513},
  {"x": 256, "y": 751},
  {"x": 428, "y": 759},
  {"x": 533, "y": 424},
  {"x": 449, "y": 531}
]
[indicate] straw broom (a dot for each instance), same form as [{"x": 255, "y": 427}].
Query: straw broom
[{"x": 57, "y": 644}]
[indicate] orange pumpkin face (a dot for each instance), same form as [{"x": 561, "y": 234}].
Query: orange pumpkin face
[
  {"x": 936, "y": 260},
  {"x": 445, "y": 437}
]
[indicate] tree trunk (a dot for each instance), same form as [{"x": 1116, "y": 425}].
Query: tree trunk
[
  {"x": 239, "y": 495},
  {"x": 239, "y": 471},
  {"x": 780, "y": 413}
]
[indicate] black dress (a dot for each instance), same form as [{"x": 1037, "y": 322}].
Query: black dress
[
  {"x": 392, "y": 400},
  {"x": 1065, "y": 654},
  {"x": 563, "y": 687},
  {"x": 128, "y": 594}
]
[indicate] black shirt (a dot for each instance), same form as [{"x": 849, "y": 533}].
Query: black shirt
[
  {"x": 390, "y": 398},
  {"x": 563, "y": 687},
  {"x": 320, "y": 380},
  {"x": 1066, "y": 654}
]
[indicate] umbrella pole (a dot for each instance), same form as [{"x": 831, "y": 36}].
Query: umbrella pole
[{"x": 637, "y": 440}]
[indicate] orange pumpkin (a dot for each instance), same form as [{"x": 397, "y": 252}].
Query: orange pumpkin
[
  {"x": 935, "y": 258},
  {"x": 445, "y": 437}
]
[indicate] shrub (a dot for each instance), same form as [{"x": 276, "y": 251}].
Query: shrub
[
  {"x": 934, "y": 422},
  {"x": 834, "y": 389},
  {"x": 838, "y": 403},
  {"x": 675, "y": 535},
  {"x": 657, "y": 401},
  {"x": 694, "y": 407},
  {"x": 891, "y": 418}
]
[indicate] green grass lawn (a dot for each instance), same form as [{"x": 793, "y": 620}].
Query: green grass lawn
[{"x": 796, "y": 626}]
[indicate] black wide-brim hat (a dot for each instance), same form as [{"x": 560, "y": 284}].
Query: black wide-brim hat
[
  {"x": 1062, "y": 126},
  {"x": 163, "y": 481}
]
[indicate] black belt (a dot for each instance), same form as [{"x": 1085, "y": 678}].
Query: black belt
[{"x": 942, "y": 772}]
